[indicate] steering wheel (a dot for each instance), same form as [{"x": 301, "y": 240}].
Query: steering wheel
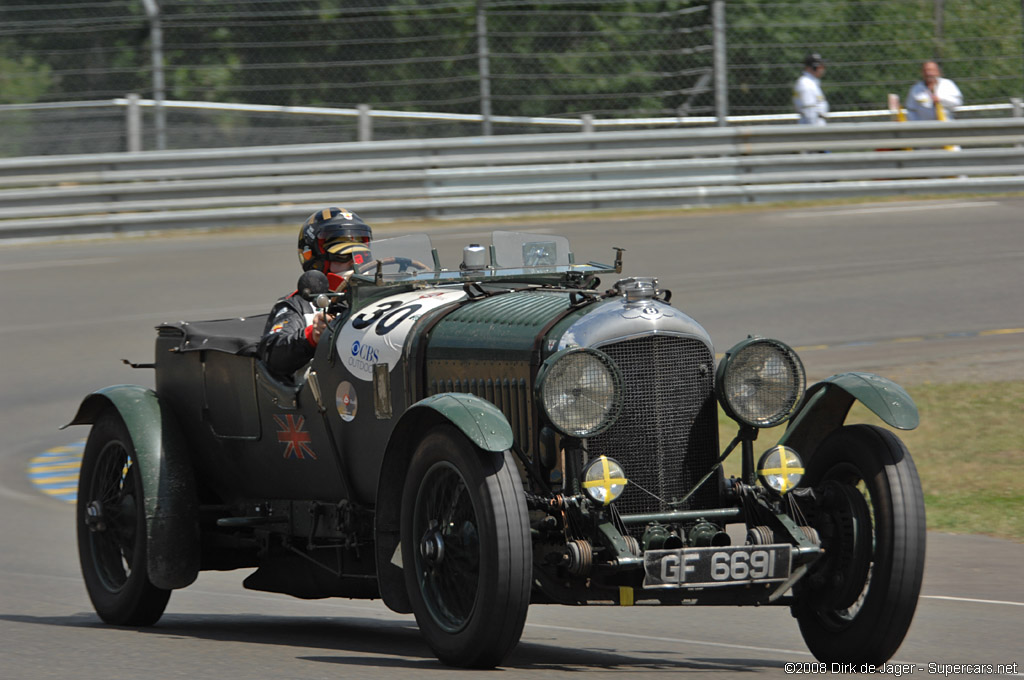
[{"x": 404, "y": 263}]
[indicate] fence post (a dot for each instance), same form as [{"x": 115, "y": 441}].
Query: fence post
[
  {"x": 1018, "y": 107},
  {"x": 484, "y": 61},
  {"x": 156, "y": 41},
  {"x": 364, "y": 124},
  {"x": 719, "y": 61},
  {"x": 133, "y": 123},
  {"x": 588, "y": 122}
]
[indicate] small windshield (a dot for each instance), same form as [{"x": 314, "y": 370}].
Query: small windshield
[
  {"x": 511, "y": 253},
  {"x": 518, "y": 249},
  {"x": 403, "y": 255}
]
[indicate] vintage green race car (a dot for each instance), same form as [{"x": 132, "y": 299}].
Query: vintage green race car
[{"x": 469, "y": 441}]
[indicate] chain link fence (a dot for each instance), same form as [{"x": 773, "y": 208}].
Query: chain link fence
[
  {"x": 560, "y": 59},
  {"x": 872, "y": 47}
]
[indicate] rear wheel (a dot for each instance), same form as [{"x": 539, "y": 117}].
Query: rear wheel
[
  {"x": 857, "y": 603},
  {"x": 112, "y": 528},
  {"x": 466, "y": 549}
]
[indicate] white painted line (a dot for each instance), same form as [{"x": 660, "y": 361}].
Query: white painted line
[
  {"x": 971, "y": 599},
  {"x": 57, "y": 263},
  {"x": 685, "y": 641},
  {"x": 892, "y": 208},
  {"x": 384, "y": 614}
]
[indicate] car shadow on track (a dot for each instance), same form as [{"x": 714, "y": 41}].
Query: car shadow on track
[{"x": 368, "y": 642}]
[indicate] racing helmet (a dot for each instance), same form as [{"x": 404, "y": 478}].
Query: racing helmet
[
  {"x": 813, "y": 60},
  {"x": 333, "y": 234}
]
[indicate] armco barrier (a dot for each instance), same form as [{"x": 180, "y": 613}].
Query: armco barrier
[{"x": 490, "y": 176}]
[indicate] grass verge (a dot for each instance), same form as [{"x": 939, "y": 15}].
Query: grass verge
[{"x": 968, "y": 449}]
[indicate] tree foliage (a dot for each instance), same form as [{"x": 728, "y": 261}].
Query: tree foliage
[{"x": 560, "y": 57}]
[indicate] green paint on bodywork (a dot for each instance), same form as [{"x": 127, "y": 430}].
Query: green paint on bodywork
[
  {"x": 826, "y": 404},
  {"x": 614, "y": 540},
  {"x": 886, "y": 399},
  {"x": 478, "y": 419},
  {"x": 172, "y": 514},
  {"x": 502, "y": 326},
  {"x": 140, "y": 410}
]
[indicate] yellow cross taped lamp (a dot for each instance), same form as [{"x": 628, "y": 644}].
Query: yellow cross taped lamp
[
  {"x": 760, "y": 381},
  {"x": 580, "y": 390},
  {"x": 604, "y": 480},
  {"x": 780, "y": 468}
]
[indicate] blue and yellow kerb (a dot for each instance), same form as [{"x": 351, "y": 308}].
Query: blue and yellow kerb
[{"x": 55, "y": 471}]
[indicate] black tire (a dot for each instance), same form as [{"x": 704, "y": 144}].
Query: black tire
[
  {"x": 111, "y": 522},
  {"x": 857, "y": 603},
  {"x": 466, "y": 549}
]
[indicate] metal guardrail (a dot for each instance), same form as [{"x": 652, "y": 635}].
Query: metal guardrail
[{"x": 515, "y": 174}]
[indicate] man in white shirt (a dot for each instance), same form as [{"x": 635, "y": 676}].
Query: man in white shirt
[
  {"x": 933, "y": 97},
  {"x": 808, "y": 99}
]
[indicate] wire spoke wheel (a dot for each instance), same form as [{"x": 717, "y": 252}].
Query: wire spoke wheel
[
  {"x": 858, "y": 601},
  {"x": 112, "y": 528},
  {"x": 111, "y": 515},
  {"x": 466, "y": 550},
  {"x": 447, "y": 524}
]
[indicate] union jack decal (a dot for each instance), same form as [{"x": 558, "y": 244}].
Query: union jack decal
[{"x": 296, "y": 440}]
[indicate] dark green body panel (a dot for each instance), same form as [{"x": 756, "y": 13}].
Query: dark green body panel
[
  {"x": 499, "y": 328},
  {"x": 172, "y": 510},
  {"x": 238, "y": 426},
  {"x": 826, "y": 404},
  {"x": 491, "y": 348}
]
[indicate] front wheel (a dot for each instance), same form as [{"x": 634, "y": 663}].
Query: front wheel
[
  {"x": 111, "y": 517},
  {"x": 857, "y": 603},
  {"x": 466, "y": 549}
]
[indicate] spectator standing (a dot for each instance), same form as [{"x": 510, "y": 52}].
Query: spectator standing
[
  {"x": 933, "y": 97},
  {"x": 808, "y": 99}
]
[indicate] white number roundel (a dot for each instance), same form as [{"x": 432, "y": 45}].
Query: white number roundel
[{"x": 376, "y": 333}]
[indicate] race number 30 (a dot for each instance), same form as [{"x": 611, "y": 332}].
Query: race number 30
[{"x": 376, "y": 334}]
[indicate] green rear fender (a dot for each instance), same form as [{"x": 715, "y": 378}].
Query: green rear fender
[
  {"x": 482, "y": 423},
  {"x": 827, "y": 403},
  {"x": 172, "y": 509}
]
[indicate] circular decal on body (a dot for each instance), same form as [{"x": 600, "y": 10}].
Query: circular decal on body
[
  {"x": 377, "y": 333},
  {"x": 345, "y": 400}
]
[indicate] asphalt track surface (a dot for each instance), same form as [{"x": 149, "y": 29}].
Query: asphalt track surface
[{"x": 895, "y": 288}]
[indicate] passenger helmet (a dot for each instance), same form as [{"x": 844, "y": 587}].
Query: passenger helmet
[{"x": 333, "y": 234}]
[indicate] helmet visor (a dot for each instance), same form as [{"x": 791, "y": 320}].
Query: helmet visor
[{"x": 348, "y": 249}]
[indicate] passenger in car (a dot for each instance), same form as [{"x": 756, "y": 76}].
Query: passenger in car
[{"x": 331, "y": 240}]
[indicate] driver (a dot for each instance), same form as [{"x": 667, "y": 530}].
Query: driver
[{"x": 334, "y": 241}]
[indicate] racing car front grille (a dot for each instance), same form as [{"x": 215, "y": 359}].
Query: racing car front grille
[{"x": 667, "y": 435}]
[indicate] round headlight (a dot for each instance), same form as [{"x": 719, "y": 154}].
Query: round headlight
[
  {"x": 580, "y": 391},
  {"x": 604, "y": 480},
  {"x": 780, "y": 468},
  {"x": 760, "y": 382}
]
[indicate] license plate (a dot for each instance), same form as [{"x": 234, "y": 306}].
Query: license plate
[{"x": 703, "y": 567}]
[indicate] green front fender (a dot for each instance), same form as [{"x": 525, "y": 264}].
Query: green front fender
[
  {"x": 482, "y": 423},
  {"x": 477, "y": 418},
  {"x": 172, "y": 510},
  {"x": 827, "y": 403}
]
